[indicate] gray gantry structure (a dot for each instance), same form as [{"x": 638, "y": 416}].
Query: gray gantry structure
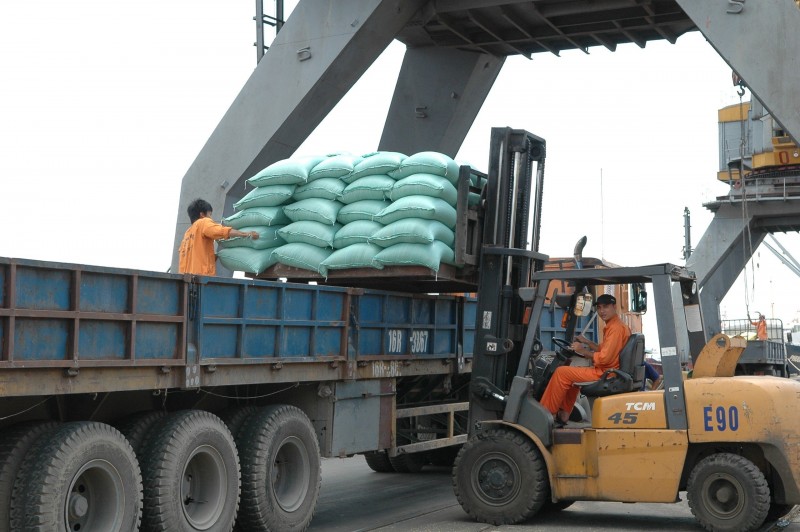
[{"x": 454, "y": 52}]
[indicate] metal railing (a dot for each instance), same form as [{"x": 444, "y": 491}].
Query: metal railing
[{"x": 747, "y": 329}]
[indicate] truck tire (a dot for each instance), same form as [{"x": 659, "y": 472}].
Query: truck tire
[
  {"x": 443, "y": 456},
  {"x": 728, "y": 492},
  {"x": 82, "y": 476},
  {"x": 136, "y": 427},
  {"x": 500, "y": 478},
  {"x": 14, "y": 444},
  {"x": 191, "y": 474},
  {"x": 280, "y": 470},
  {"x": 235, "y": 416},
  {"x": 379, "y": 461},
  {"x": 408, "y": 462}
]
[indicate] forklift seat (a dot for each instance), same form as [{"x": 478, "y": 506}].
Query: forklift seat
[{"x": 629, "y": 376}]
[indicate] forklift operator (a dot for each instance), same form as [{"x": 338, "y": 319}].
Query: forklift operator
[{"x": 560, "y": 395}]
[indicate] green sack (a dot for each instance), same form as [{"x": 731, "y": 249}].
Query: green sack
[
  {"x": 247, "y": 260},
  {"x": 424, "y": 185},
  {"x": 306, "y": 232},
  {"x": 428, "y": 162},
  {"x": 329, "y": 188},
  {"x": 314, "y": 210},
  {"x": 354, "y": 256},
  {"x": 428, "y": 255},
  {"x": 418, "y": 207},
  {"x": 267, "y": 238},
  {"x": 379, "y": 162},
  {"x": 356, "y": 232},
  {"x": 413, "y": 231},
  {"x": 303, "y": 256},
  {"x": 334, "y": 166},
  {"x": 285, "y": 172},
  {"x": 361, "y": 210},
  {"x": 256, "y": 216},
  {"x": 371, "y": 187},
  {"x": 267, "y": 196}
]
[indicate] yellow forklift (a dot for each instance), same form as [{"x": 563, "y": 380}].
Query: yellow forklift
[{"x": 732, "y": 443}]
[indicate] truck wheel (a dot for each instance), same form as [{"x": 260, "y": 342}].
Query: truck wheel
[
  {"x": 500, "y": 478},
  {"x": 444, "y": 456},
  {"x": 379, "y": 462},
  {"x": 14, "y": 445},
  {"x": 191, "y": 474},
  {"x": 280, "y": 470},
  {"x": 83, "y": 476},
  {"x": 235, "y": 416},
  {"x": 136, "y": 427},
  {"x": 728, "y": 492},
  {"x": 408, "y": 462}
]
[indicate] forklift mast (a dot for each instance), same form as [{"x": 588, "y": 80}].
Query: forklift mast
[{"x": 512, "y": 212}]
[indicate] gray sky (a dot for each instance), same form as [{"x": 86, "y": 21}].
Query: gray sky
[{"x": 104, "y": 106}]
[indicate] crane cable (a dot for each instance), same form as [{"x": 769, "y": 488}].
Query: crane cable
[{"x": 747, "y": 237}]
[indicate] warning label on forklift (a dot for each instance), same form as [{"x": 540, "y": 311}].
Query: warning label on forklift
[{"x": 487, "y": 319}]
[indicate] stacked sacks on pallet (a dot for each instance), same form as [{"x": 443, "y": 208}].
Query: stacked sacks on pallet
[
  {"x": 245, "y": 254},
  {"x": 419, "y": 223},
  {"x": 345, "y": 211},
  {"x": 313, "y": 214},
  {"x": 261, "y": 210},
  {"x": 365, "y": 195}
]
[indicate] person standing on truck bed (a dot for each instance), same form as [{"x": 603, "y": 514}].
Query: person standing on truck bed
[
  {"x": 560, "y": 395},
  {"x": 197, "y": 248},
  {"x": 761, "y": 327}
]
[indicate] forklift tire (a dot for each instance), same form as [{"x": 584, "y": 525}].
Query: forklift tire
[
  {"x": 500, "y": 478},
  {"x": 728, "y": 492}
]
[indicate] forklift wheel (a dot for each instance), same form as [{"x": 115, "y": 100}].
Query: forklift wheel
[
  {"x": 728, "y": 492},
  {"x": 500, "y": 478}
]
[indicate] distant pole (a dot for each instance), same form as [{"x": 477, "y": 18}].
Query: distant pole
[{"x": 687, "y": 234}]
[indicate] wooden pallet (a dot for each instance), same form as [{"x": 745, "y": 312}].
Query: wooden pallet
[{"x": 416, "y": 279}]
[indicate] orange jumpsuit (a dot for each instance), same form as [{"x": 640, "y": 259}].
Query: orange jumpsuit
[
  {"x": 196, "y": 254},
  {"x": 560, "y": 393},
  {"x": 761, "y": 329}
]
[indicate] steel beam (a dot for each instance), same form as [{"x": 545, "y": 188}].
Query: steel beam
[
  {"x": 732, "y": 237},
  {"x": 759, "y": 40},
  {"x": 437, "y": 97},
  {"x": 320, "y": 52}
]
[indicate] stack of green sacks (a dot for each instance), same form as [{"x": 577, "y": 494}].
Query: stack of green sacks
[
  {"x": 419, "y": 223},
  {"x": 261, "y": 210},
  {"x": 345, "y": 211}
]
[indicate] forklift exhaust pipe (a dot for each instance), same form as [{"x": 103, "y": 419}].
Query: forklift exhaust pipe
[{"x": 578, "y": 253}]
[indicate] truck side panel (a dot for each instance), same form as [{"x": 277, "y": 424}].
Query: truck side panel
[{"x": 57, "y": 315}]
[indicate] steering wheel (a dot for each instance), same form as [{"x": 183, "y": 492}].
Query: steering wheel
[{"x": 565, "y": 346}]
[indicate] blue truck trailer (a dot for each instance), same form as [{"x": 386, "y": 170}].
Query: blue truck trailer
[
  {"x": 143, "y": 400},
  {"x": 346, "y": 370}
]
